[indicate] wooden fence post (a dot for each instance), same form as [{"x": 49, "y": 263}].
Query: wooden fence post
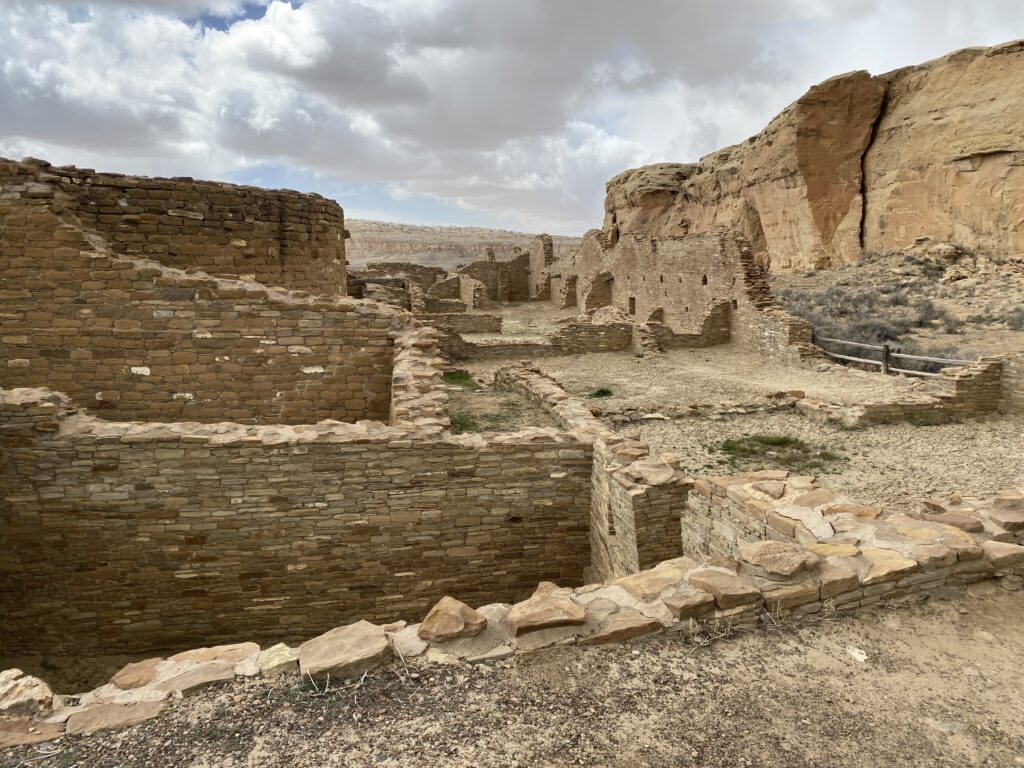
[{"x": 885, "y": 357}]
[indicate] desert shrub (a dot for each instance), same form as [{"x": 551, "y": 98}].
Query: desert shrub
[
  {"x": 601, "y": 392},
  {"x": 1014, "y": 319}
]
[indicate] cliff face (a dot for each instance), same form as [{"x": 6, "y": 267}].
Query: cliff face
[
  {"x": 857, "y": 163},
  {"x": 948, "y": 159}
]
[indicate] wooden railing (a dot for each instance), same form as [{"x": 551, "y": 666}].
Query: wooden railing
[{"x": 887, "y": 357}]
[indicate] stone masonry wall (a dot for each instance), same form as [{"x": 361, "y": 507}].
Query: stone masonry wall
[
  {"x": 139, "y": 340},
  {"x": 972, "y": 390},
  {"x": 572, "y": 339},
  {"x": 862, "y": 553},
  {"x": 422, "y": 276},
  {"x": 136, "y": 537},
  {"x": 677, "y": 282},
  {"x": 277, "y": 237},
  {"x": 636, "y": 499},
  {"x": 1013, "y": 385}
]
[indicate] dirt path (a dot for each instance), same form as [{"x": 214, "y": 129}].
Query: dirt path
[{"x": 941, "y": 684}]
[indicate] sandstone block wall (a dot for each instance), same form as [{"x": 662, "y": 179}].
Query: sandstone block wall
[
  {"x": 504, "y": 281},
  {"x": 575, "y": 338},
  {"x": 422, "y": 276},
  {"x": 136, "y": 537},
  {"x": 675, "y": 281},
  {"x": 683, "y": 288},
  {"x": 972, "y": 390},
  {"x": 542, "y": 256},
  {"x": 1013, "y": 385},
  {"x": 636, "y": 499},
  {"x": 277, "y": 237},
  {"x": 140, "y": 340},
  {"x": 463, "y": 322}
]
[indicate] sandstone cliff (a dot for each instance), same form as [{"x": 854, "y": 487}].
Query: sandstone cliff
[{"x": 859, "y": 163}]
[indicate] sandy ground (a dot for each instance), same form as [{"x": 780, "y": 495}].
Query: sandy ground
[
  {"x": 895, "y": 465},
  {"x": 497, "y": 411},
  {"x": 940, "y": 684},
  {"x": 707, "y": 376}
]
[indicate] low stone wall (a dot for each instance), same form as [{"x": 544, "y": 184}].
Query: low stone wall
[
  {"x": 126, "y": 537},
  {"x": 573, "y": 339},
  {"x": 867, "y": 553},
  {"x": 778, "y": 402},
  {"x": 1013, "y": 385},
  {"x": 975, "y": 390},
  {"x": 636, "y": 498},
  {"x": 463, "y": 322},
  {"x": 765, "y": 582}
]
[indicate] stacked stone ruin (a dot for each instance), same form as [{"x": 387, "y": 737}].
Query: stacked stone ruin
[{"x": 204, "y": 440}]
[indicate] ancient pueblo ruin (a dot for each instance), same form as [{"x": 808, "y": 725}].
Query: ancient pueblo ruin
[{"x": 227, "y": 452}]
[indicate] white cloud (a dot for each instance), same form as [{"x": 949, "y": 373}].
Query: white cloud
[{"x": 515, "y": 110}]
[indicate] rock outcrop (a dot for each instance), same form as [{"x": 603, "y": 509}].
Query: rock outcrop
[{"x": 859, "y": 163}]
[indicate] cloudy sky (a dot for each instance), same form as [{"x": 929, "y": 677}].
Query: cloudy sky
[{"x": 504, "y": 113}]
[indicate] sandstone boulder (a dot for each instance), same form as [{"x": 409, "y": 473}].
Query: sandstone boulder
[
  {"x": 449, "y": 619},
  {"x": 22, "y": 694},
  {"x": 345, "y": 651},
  {"x": 885, "y": 565},
  {"x": 623, "y": 624},
  {"x": 277, "y": 660},
  {"x": 688, "y": 602},
  {"x": 647, "y": 585}
]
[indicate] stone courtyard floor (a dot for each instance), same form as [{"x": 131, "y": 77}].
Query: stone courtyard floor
[
  {"x": 932, "y": 684},
  {"x": 707, "y": 376},
  {"x": 892, "y": 465}
]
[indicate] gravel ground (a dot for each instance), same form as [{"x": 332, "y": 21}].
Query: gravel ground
[
  {"x": 895, "y": 465},
  {"x": 707, "y": 376},
  {"x": 940, "y": 684}
]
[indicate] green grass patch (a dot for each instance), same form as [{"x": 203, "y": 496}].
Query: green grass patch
[
  {"x": 783, "y": 451},
  {"x": 496, "y": 422},
  {"x": 463, "y": 422},
  {"x": 601, "y": 392},
  {"x": 461, "y": 379}
]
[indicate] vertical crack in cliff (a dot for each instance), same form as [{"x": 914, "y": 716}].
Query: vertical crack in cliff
[{"x": 872, "y": 136}]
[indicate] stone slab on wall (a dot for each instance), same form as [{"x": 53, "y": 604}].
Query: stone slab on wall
[{"x": 139, "y": 537}]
